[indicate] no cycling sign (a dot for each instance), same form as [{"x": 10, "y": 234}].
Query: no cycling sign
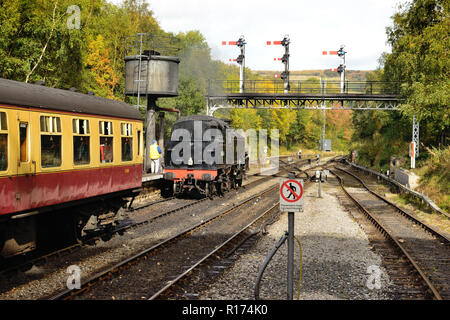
[{"x": 291, "y": 195}]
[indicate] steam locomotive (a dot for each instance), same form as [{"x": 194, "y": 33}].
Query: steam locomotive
[{"x": 204, "y": 156}]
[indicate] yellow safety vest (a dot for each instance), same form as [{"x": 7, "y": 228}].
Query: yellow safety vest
[{"x": 154, "y": 154}]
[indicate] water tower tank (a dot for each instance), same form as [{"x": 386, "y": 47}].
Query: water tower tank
[{"x": 158, "y": 75}]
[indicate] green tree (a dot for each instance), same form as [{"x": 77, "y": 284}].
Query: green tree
[
  {"x": 38, "y": 45},
  {"x": 420, "y": 63}
]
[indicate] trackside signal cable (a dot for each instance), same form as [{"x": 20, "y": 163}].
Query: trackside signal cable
[{"x": 267, "y": 260}]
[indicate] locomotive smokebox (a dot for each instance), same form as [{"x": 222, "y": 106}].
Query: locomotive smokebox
[{"x": 151, "y": 75}]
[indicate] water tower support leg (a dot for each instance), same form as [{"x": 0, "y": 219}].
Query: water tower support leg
[
  {"x": 161, "y": 135},
  {"x": 150, "y": 135}
]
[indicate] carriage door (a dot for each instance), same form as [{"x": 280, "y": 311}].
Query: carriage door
[
  {"x": 25, "y": 166},
  {"x": 22, "y": 237},
  {"x": 24, "y": 148}
]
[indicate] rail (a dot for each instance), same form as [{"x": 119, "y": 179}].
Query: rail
[
  {"x": 416, "y": 194},
  {"x": 388, "y": 232}
]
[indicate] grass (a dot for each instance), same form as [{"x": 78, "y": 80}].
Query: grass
[
  {"x": 435, "y": 177},
  {"x": 422, "y": 212}
]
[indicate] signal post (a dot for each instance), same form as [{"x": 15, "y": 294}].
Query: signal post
[
  {"x": 240, "y": 60},
  {"x": 285, "y": 60},
  {"x": 341, "y": 68}
]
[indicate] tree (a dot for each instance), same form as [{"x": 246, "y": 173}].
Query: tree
[
  {"x": 420, "y": 63},
  {"x": 100, "y": 69},
  {"x": 36, "y": 44}
]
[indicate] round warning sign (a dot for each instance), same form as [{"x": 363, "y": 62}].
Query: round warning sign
[{"x": 291, "y": 190}]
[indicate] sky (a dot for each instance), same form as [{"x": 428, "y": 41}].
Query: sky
[{"x": 312, "y": 26}]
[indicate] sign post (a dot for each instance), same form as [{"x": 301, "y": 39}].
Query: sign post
[{"x": 291, "y": 192}]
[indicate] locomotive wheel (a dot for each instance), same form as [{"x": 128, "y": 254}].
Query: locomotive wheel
[
  {"x": 209, "y": 190},
  {"x": 221, "y": 188},
  {"x": 167, "y": 189},
  {"x": 226, "y": 187}
]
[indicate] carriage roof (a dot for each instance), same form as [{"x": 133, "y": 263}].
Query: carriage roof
[{"x": 39, "y": 96}]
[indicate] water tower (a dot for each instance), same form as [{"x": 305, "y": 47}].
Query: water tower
[{"x": 151, "y": 72}]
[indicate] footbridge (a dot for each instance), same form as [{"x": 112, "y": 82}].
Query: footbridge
[{"x": 268, "y": 94}]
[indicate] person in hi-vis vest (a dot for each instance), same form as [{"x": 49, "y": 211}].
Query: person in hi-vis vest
[{"x": 155, "y": 154}]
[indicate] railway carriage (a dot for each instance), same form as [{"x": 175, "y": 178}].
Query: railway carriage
[
  {"x": 205, "y": 156},
  {"x": 60, "y": 149}
]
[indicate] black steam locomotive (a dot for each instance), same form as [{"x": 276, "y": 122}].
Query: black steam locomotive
[{"x": 204, "y": 156}]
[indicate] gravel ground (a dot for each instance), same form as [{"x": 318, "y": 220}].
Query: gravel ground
[{"x": 338, "y": 262}]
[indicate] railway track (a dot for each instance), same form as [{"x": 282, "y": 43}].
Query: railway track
[
  {"x": 146, "y": 254},
  {"x": 423, "y": 248},
  {"x": 219, "y": 257},
  {"x": 188, "y": 240},
  {"x": 25, "y": 262},
  {"x": 41, "y": 259}
]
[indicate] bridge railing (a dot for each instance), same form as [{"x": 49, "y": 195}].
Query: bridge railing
[{"x": 218, "y": 87}]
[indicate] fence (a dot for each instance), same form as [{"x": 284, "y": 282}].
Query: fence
[{"x": 217, "y": 87}]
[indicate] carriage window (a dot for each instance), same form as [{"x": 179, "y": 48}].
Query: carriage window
[
  {"x": 80, "y": 126},
  {"x": 3, "y": 123},
  {"x": 23, "y": 135},
  {"x": 106, "y": 149},
  {"x": 50, "y": 151},
  {"x": 50, "y": 124},
  {"x": 50, "y": 141},
  {"x": 3, "y": 142},
  {"x": 81, "y": 150},
  {"x": 139, "y": 142},
  {"x": 106, "y": 143},
  {"x": 106, "y": 128},
  {"x": 81, "y": 139},
  {"x": 3, "y": 152},
  {"x": 126, "y": 141}
]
